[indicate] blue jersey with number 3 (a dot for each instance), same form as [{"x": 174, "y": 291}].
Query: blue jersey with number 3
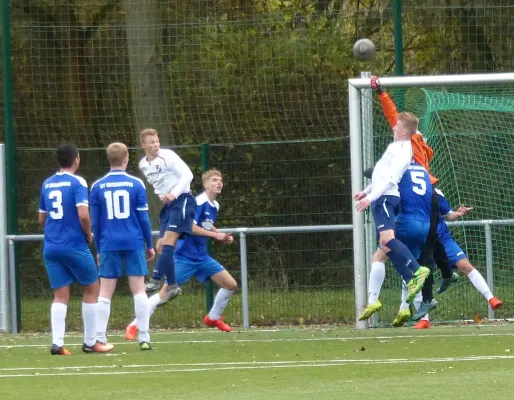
[
  {"x": 61, "y": 194},
  {"x": 117, "y": 199},
  {"x": 415, "y": 193}
]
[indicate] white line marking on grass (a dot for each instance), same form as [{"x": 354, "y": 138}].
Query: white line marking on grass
[
  {"x": 236, "y": 340},
  {"x": 243, "y": 363},
  {"x": 202, "y": 367}
]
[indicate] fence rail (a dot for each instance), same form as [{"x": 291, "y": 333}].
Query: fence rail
[{"x": 243, "y": 232}]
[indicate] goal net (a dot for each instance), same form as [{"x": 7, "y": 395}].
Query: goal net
[{"x": 471, "y": 129}]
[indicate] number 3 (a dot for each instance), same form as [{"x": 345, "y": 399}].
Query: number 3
[
  {"x": 56, "y": 205},
  {"x": 114, "y": 205},
  {"x": 417, "y": 179}
]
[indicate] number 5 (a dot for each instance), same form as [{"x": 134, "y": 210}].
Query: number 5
[{"x": 417, "y": 179}]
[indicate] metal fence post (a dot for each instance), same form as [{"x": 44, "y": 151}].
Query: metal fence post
[
  {"x": 244, "y": 279},
  {"x": 12, "y": 283},
  {"x": 489, "y": 264},
  {"x": 368, "y": 160},
  {"x": 359, "y": 258},
  {"x": 4, "y": 283}
]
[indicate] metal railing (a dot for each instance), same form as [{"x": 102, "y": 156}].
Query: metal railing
[
  {"x": 241, "y": 232},
  {"x": 11, "y": 241}
]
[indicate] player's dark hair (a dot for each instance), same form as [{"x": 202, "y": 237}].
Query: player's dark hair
[{"x": 66, "y": 155}]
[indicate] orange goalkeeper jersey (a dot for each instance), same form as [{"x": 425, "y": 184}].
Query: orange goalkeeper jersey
[{"x": 423, "y": 153}]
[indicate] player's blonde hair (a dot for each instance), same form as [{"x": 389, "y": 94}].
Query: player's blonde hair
[
  {"x": 410, "y": 121},
  {"x": 147, "y": 132},
  {"x": 116, "y": 154},
  {"x": 209, "y": 174}
]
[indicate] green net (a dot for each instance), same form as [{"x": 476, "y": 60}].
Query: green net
[{"x": 472, "y": 132}]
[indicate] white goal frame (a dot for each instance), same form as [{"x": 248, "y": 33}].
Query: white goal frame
[{"x": 359, "y": 110}]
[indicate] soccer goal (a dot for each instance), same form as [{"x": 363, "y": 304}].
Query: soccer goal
[{"x": 469, "y": 121}]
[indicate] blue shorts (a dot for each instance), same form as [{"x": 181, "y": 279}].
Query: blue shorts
[
  {"x": 453, "y": 251},
  {"x": 185, "y": 268},
  {"x": 178, "y": 216},
  {"x": 384, "y": 210},
  {"x": 413, "y": 234},
  {"x": 111, "y": 263},
  {"x": 64, "y": 268}
]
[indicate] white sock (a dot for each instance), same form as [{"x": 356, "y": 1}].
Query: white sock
[
  {"x": 220, "y": 302},
  {"x": 425, "y": 318},
  {"x": 103, "y": 311},
  {"x": 480, "y": 284},
  {"x": 376, "y": 279},
  {"x": 58, "y": 320},
  {"x": 142, "y": 312},
  {"x": 418, "y": 300},
  {"x": 89, "y": 319},
  {"x": 405, "y": 293},
  {"x": 152, "y": 305}
]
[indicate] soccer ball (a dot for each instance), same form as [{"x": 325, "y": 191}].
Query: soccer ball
[{"x": 364, "y": 50}]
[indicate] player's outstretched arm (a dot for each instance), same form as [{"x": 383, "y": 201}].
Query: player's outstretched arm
[
  {"x": 388, "y": 106},
  {"x": 454, "y": 215}
]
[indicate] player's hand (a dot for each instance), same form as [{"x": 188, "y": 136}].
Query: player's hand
[
  {"x": 359, "y": 196},
  {"x": 229, "y": 239},
  {"x": 220, "y": 236},
  {"x": 150, "y": 254},
  {"x": 89, "y": 238},
  {"x": 158, "y": 246},
  {"x": 167, "y": 199},
  {"x": 363, "y": 204},
  {"x": 463, "y": 210},
  {"x": 375, "y": 84}
]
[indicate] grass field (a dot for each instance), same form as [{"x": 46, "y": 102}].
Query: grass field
[{"x": 459, "y": 362}]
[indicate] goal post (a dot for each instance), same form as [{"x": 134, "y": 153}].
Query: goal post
[{"x": 469, "y": 121}]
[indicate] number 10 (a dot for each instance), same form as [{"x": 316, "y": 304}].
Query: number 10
[{"x": 115, "y": 206}]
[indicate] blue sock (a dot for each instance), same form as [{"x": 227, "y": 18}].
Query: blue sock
[
  {"x": 402, "y": 259},
  {"x": 166, "y": 264},
  {"x": 156, "y": 274}
]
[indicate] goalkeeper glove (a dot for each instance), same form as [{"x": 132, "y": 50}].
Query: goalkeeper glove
[{"x": 375, "y": 84}]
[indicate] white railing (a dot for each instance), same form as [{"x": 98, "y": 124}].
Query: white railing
[{"x": 10, "y": 266}]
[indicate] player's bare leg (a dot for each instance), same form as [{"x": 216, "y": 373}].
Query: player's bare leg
[
  {"x": 479, "y": 283},
  {"x": 228, "y": 286},
  {"x": 58, "y": 320},
  {"x": 89, "y": 305}
]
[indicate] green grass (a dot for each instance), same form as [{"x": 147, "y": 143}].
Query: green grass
[
  {"x": 272, "y": 308},
  {"x": 324, "y": 363}
]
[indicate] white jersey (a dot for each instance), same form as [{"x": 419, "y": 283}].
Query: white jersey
[
  {"x": 167, "y": 173},
  {"x": 390, "y": 168}
]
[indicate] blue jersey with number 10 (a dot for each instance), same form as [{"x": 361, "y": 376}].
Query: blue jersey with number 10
[
  {"x": 117, "y": 200},
  {"x": 61, "y": 194},
  {"x": 415, "y": 193}
]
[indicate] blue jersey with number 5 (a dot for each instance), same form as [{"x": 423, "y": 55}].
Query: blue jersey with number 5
[
  {"x": 415, "y": 193},
  {"x": 118, "y": 202},
  {"x": 61, "y": 194}
]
